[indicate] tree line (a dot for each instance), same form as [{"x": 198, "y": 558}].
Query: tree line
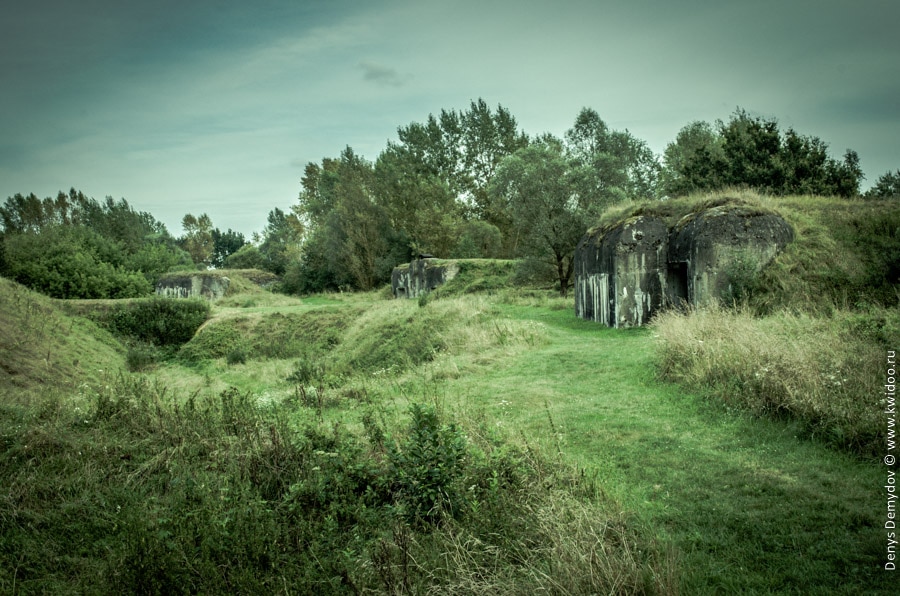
[{"x": 461, "y": 184}]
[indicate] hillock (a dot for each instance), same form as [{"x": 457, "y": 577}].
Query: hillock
[{"x": 42, "y": 348}]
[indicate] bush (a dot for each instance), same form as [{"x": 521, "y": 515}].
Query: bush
[
  {"x": 65, "y": 262},
  {"x": 426, "y": 467},
  {"x": 158, "y": 321}
]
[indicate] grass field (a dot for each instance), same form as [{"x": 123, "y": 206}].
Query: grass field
[
  {"x": 480, "y": 441},
  {"x": 745, "y": 504}
]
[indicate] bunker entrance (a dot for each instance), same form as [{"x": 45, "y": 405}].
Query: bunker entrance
[{"x": 677, "y": 284}]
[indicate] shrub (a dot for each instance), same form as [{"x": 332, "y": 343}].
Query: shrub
[
  {"x": 158, "y": 321},
  {"x": 428, "y": 464}
]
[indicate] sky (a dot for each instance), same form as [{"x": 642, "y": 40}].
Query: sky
[{"x": 216, "y": 106}]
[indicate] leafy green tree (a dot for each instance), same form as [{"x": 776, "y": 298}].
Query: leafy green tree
[
  {"x": 886, "y": 187},
  {"x": 197, "y": 239},
  {"x": 615, "y": 165},
  {"x": 539, "y": 185},
  {"x": 246, "y": 257},
  {"x": 680, "y": 173},
  {"x": 416, "y": 201},
  {"x": 455, "y": 155},
  {"x": 350, "y": 241},
  {"x": 225, "y": 244},
  {"x": 478, "y": 240},
  {"x": 752, "y": 151},
  {"x": 281, "y": 240}
]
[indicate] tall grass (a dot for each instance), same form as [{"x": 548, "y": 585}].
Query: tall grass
[
  {"x": 827, "y": 373},
  {"x": 134, "y": 490}
]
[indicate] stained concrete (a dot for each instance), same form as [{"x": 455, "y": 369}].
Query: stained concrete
[
  {"x": 421, "y": 276},
  {"x": 626, "y": 272},
  {"x": 198, "y": 285}
]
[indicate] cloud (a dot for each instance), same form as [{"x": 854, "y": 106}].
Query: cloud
[{"x": 382, "y": 75}]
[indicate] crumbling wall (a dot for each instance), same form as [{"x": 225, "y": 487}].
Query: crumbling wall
[
  {"x": 421, "y": 276},
  {"x": 627, "y": 271},
  {"x": 210, "y": 287}
]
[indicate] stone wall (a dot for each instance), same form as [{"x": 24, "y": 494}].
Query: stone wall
[
  {"x": 626, "y": 272},
  {"x": 421, "y": 276}
]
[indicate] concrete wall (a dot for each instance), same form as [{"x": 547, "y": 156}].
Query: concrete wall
[
  {"x": 620, "y": 272},
  {"x": 421, "y": 276},
  {"x": 624, "y": 273},
  {"x": 210, "y": 287}
]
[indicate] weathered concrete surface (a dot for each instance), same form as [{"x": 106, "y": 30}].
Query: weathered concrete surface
[
  {"x": 196, "y": 285},
  {"x": 625, "y": 272},
  {"x": 421, "y": 276},
  {"x": 620, "y": 272},
  {"x": 720, "y": 240}
]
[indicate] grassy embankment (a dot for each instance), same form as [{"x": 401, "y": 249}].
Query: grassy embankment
[{"x": 577, "y": 470}]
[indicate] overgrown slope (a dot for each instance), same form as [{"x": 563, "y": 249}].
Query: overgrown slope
[{"x": 43, "y": 348}]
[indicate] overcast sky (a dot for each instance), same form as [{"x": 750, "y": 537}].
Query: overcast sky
[{"x": 215, "y": 106}]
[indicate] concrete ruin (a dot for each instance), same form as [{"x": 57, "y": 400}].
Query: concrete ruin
[
  {"x": 625, "y": 272},
  {"x": 196, "y": 285},
  {"x": 421, "y": 276}
]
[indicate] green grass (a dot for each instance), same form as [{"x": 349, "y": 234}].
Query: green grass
[
  {"x": 300, "y": 463},
  {"x": 744, "y": 504},
  {"x": 749, "y": 504}
]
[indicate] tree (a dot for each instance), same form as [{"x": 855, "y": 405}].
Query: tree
[
  {"x": 752, "y": 151},
  {"x": 615, "y": 165},
  {"x": 695, "y": 157},
  {"x": 886, "y": 187},
  {"x": 281, "y": 240},
  {"x": 539, "y": 184},
  {"x": 198, "y": 239},
  {"x": 455, "y": 155},
  {"x": 224, "y": 245},
  {"x": 417, "y": 202}
]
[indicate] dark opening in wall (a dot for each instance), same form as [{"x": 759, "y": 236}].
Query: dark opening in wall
[{"x": 677, "y": 284}]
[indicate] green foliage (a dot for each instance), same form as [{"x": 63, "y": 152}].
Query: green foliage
[
  {"x": 76, "y": 247},
  {"x": 236, "y": 356},
  {"x": 743, "y": 278},
  {"x": 538, "y": 184},
  {"x": 198, "y": 239},
  {"x": 246, "y": 257},
  {"x": 613, "y": 165},
  {"x": 428, "y": 465},
  {"x": 751, "y": 152},
  {"x": 141, "y": 357},
  {"x": 70, "y": 262},
  {"x": 226, "y": 244},
  {"x": 886, "y": 187},
  {"x": 478, "y": 240},
  {"x": 281, "y": 240},
  {"x": 157, "y": 321}
]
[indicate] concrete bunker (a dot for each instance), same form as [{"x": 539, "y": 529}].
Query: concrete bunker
[
  {"x": 192, "y": 285},
  {"x": 627, "y": 271},
  {"x": 421, "y": 276}
]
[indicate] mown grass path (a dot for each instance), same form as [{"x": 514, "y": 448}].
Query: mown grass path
[{"x": 749, "y": 506}]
